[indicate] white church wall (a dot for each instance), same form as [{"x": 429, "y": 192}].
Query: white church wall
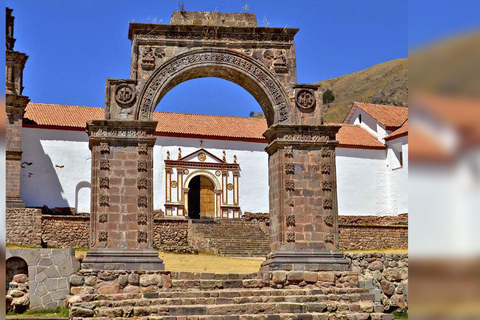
[
  {"x": 369, "y": 124},
  {"x": 398, "y": 174},
  {"x": 362, "y": 182},
  {"x": 56, "y": 169},
  {"x": 252, "y": 158}
]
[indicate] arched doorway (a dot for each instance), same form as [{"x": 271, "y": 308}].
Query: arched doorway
[{"x": 201, "y": 198}]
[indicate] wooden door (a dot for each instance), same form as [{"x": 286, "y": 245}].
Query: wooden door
[{"x": 207, "y": 198}]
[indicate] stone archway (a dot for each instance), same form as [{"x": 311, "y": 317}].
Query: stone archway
[
  {"x": 302, "y": 183},
  {"x": 214, "y": 195}
]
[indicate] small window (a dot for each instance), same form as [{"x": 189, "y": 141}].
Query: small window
[
  {"x": 400, "y": 156},
  {"x": 360, "y": 118}
]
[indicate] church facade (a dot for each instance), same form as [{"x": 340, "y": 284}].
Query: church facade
[{"x": 213, "y": 166}]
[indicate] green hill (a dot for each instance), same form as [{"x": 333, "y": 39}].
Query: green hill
[{"x": 384, "y": 83}]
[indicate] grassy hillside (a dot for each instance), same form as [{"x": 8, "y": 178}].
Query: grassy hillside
[{"x": 384, "y": 83}]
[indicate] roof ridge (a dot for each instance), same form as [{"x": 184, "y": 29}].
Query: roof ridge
[{"x": 378, "y": 104}]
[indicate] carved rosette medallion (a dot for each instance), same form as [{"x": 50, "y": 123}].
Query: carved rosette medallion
[
  {"x": 142, "y": 218},
  {"x": 142, "y": 237},
  {"x": 174, "y": 184},
  {"x": 202, "y": 156},
  {"x": 326, "y": 185},
  {"x": 305, "y": 100},
  {"x": 103, "y": 236},
  {"x": 142, "y": 201},
  {"x": 327, "y": 203},
  {"x": 289, "y": 168},
  {"x": 229, "y": 186},
  {"x": 104, "y": 183},
  {"x": 290, "y": 236},
  {"x": 142, "y": 148},
  {"x": 328, "y": 219},
  {"x": 290, "y": 221},
  {"x": 328, "y": 238},
  {"x": 142, "y": 165},
  {"x": 104, "y": 164},
  {"x": 142, "y": 183},
  {"x": 185, "y": 171},
  {"x": 289, "y": 185},
  {"x": 103, "y": 217},
  {"x": 104, "y": 201},
  {"x": 124, "y": 95},
  {"x": 218, "y": 173},
  {"x": 288, "y": 151},
  {"x": 326, "y": 168},
  {"x": 104, "y": 148}
]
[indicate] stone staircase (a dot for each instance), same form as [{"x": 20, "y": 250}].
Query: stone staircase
[
  {"x": 229, "y": 238},
  {"x": 183, "y": 295}
]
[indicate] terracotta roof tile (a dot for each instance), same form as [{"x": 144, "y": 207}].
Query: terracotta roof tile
[
  {"x": 184, "y": 124},
  {"x": 424, "y": 147},
  {"x": 389, "y": 116},
  {"x": 353, "y": 136},
  {"x": 400, "y": 132}
]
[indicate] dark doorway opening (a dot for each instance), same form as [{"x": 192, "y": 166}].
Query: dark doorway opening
[{"x": 201, "y": 198}]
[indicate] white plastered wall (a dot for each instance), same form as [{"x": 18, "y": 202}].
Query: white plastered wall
[{"x": 398, "y": 175}]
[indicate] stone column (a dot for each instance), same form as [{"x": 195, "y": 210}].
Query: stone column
[
  {"x": 303, "y": 208},
  {"x": 122, "y": 196},
  {"x": 15, "y": 107}
]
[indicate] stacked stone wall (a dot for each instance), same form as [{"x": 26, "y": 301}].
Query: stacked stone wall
[
  {"x": 66, "y": 231},
  {"x": 373, "y": 237},
  {"x": 170, "y": 233},
  {"x": 24, "y": 226},
  {"x": 385, "y": 275}
]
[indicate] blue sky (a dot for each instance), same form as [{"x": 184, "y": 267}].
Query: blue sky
[{"x": 73, "y": 46}]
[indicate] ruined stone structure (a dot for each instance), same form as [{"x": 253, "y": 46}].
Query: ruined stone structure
[
  {"x": 303, "y": 204},
  {"x": 15, "y": 105}
]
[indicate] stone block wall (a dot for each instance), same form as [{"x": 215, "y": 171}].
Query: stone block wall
[
  {"x": 24, "y": 226},
  {"x": 66, "y": 231},
  {"x": 49, "y": 272},
  {"x": 170, "y": 232},
  {"x": 385, "y": 275},
  {"x": 373, "y": 237}
]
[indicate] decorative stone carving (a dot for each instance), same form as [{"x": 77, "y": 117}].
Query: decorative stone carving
[
  {"x": 326, "y": 168},
  {"x": 142, "y": 236},
  {"x": 325, "y": 152},
  {"x": 104, "y": 164},
  {"x": 185, "y": 171},
  {"x": 174, "y": 184},
  {"x": 328, "y": 219},
  {"x": 142, "y": 183},
  {"x": 289, "y": 168},
  {"x": 290, "y": 236},
  {"x": 328, "y": 238},
  {"x": 124, "y": 95},
  {"x": 142, "y": 148},
  {"x": 142, "y": 165},
  {"x": 119, "y": 132},
  {"x": 142, "y": 201},
  {"x": 103, "y": 236},
  {"x": 142, "y": 218},
  {"x": 289, "y": 185},
  {"x": 327, "y": 203},
  {"x": 104, "y": 147},
  {"x": 305, "y": 100},
  {"x": 229, "y": 186},
  {"x": 103, "y": 217},
  {"x": 310, "y": 137},
  {"x": 149, "y": 54},
  {"x": 104, "y": 183},
  {"x": 218, "y": 173},
  {"x": 288, "y": 151},
  {"x": 202, "y": 157},
  {"x": 277, "y": 60},
  {"x": 104, "y": 201},
  {"x": 234, "y": 59},
  {"x": 282, "y": 112},
  {"x": 326, "y": 185},
  {"x": 179, "y": 153},
  {"x": 224, "y": 157},
  {"x": 290, "y": 221}
]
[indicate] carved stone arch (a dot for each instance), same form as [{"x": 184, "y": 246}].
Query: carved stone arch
[
  {"x": 239, "y": 68},
  {"x": 211, "y": 176}
]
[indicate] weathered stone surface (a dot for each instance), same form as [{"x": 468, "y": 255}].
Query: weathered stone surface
[
  {"x": 150, "y": 280},
  {"x": 279, "y": 277},
  {"x": 388, "y": 288},
  {"x": 108, "y": 288},
  {"x": 90, "y": 280},
  {"x": 376, "y": 265},
  {"x": 77, "y": 280},
  {"x": 131, "y": 289}
]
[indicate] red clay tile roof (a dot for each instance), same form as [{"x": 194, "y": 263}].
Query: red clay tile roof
[
  {"x": 389, "y": 116},
  {"x": 354, "y": 136},
  {"x": 183, "y": 124},
  {"x": 424, "y": 147},
  {"x": 400, "y": 132}
]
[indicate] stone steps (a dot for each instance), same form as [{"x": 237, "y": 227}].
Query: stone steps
[{"x": 234, "y": 238}]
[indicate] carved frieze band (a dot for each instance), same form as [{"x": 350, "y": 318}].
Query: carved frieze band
[
  {"x": 311, "y": 137},
  {"x": 120, "y": 132},
  {"x": 237, "y": 61}
]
